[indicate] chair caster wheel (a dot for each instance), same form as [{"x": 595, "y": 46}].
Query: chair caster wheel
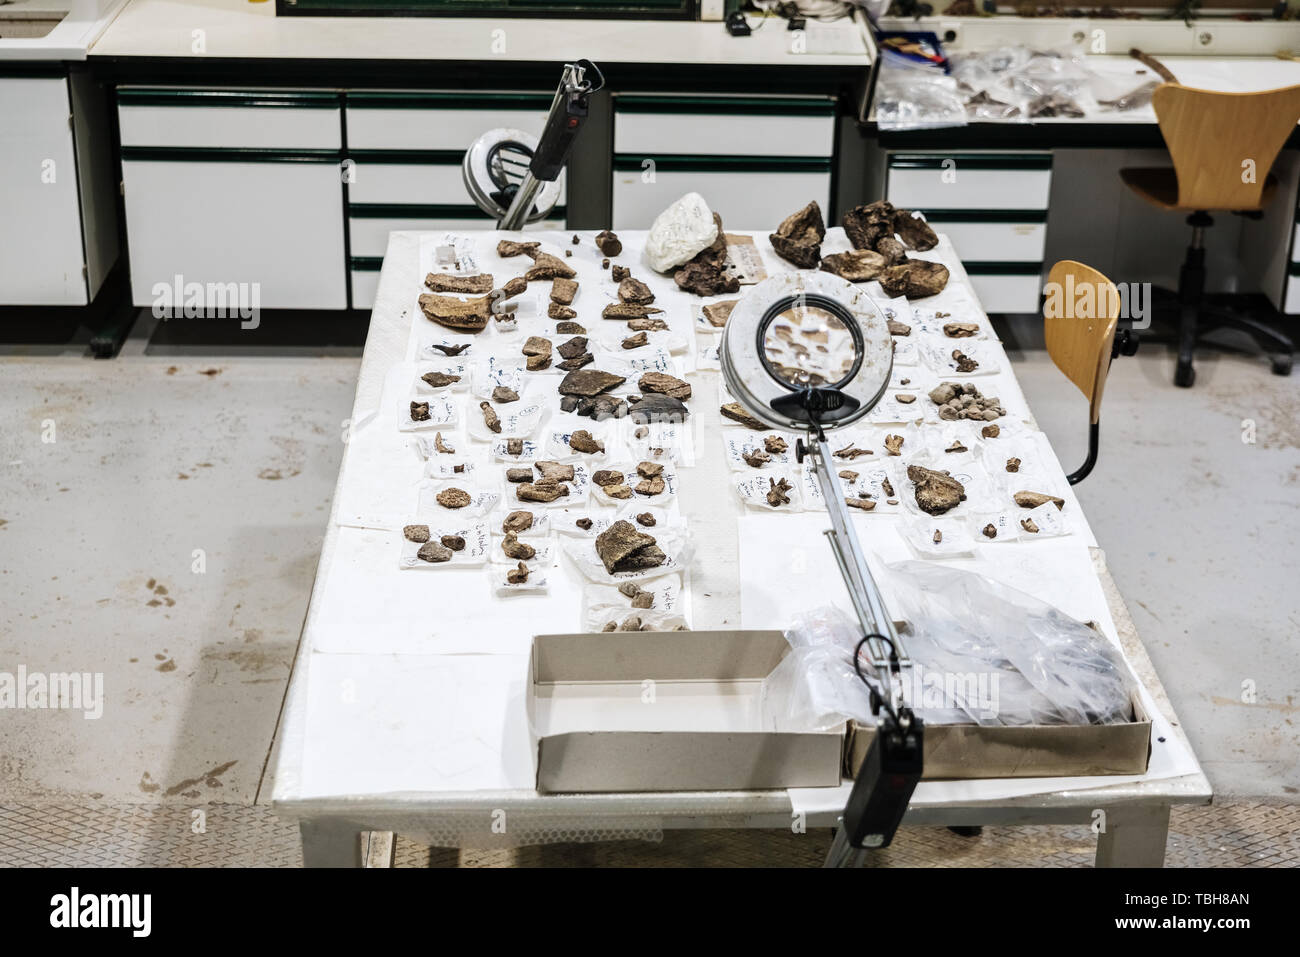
[
  {"x": 967, "y": 830},
  {"x": 1184, "y": 376},
  {"x": 1282, "y": 365}
]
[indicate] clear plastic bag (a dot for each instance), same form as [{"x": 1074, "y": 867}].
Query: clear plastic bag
[
  {"x": 918, "y": 99},
  {"x": 983, "y": 653}
]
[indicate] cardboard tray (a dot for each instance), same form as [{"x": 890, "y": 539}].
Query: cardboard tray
[
  {"x": 666, "y": 711},
  {"x": 968, "y": 751}
]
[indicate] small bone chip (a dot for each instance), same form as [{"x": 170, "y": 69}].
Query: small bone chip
[
  {"x": 416, "y": 533},
  {"x": 1013, "y": 464},
  {"x": 1035, "y": 499},
  {"x": 504, "y": 394},
  {"x": 454, "y": 542},
  {"x": 582, "y": 441},
  {"x": 664, "y": 384},
  {"x": 518, "y": 575},
  {"x": 517, "y": 521},
  {"x": 778, "y": 492},
  {"x": 419, "y": 411},
  {"x": 960, "y": 330},
  {"x": 604, "y": 477},
  {"x": 490, "y": 418},
  {"x": 433, "y": 552},
  {"x": 989, "y": 531},
  {"x": 623, "y": 549},
  {"x": 439, "y": 380}
]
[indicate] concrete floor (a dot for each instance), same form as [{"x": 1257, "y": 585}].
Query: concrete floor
[{"x": 157, "y": 461}]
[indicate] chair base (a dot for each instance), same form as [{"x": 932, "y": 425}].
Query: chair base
[{"x": 1196, "y": 315}]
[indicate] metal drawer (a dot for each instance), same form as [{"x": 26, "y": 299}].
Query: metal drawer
[
  {"x": 651, "y": 125},
  {"x": 247, "y": 119},
  {"x": 993, "y": 236},
  {"x": 969, "y": 181},
  {"x": 1006, "y": 292}
]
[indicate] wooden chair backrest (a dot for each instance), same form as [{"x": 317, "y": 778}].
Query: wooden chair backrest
[
  {"x": 1224, "y": 144},
  {"x": 1079, "y": 318}
]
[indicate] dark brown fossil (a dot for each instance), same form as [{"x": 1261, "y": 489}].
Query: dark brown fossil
[
  {"x": 887, "y": 487},
  {"x": 860, "y": 265},
  {"x": 604, "y": 477},
  {"x": 450, "y": 350},
  {"x": 604, "y": 263},
  {"x": 440, "y": 446},
  {"x": 584, "y": 524},
  {"x": 635, "y": 341},
  {"x": 589, "y": 382},
  {"x": 904, "y": 381},
  {"x": 913, "y": 231},
  {"x": 964, "y": 362},
  {"x": 420, "y": 412},
  {"x": 936, "y": 492},
  {"x": 624, "y": 549},
  {"x": 990, "y": 431},
  {"x": 848, "y": 475},
  {"x": 1035, "y": 499},
  {"x": 538, "y": 363},
  {"x": 517, "y": 521},
  {"x": 453, "y": 498},
  {"x": 514, "y": 287},
  {"x": 517, "y": 575},
  {"x": 514, "y": 548},
  {"x": 892, "y": 250},
  {"x": 569, "y": 329},
  {"x": 774, "y": 444},
  {"x": 705, "y": 279},
  {"x": 962, "y": 400},
  {"x": 1029, "y": 525},
  {"x": 938, "y": 536},
  {"x": 778, "y": 493},
  {"x": 650, "y": 487},
  {"x": 736, "y": 412},
  {"x": 907, "y": 398},
  {"x": 514, "y": 446},
  {"x": 863, "y": 503},
  {"x": 519, "y": 475},
  {"x": 619, "y": 491},
  {"x": 628, "y": 310},
  {"x": 799, "y": 237},
  {"x": 454, "y": 542},
  {"x": 645, "y": 599},
  {"x": 989, "y": 531},
  {"x": 757, "y": 458},
  {"x": 894, "y": 444},
  {"x": 663, "y": 384},
  {"x": 537, "y": 346},
  {"x": 490, "y": 417},
  {"x": 582, "y": 441},
  {"x": 635, "y": 292},
  {"x": 468, "y": 285},
  {"x": 433, "y": 552},
  {"x": 508, "y": 248},
  {"x": 914, "y": 279},
  {"x": 649, "y": 469},
  {"x": 541, "y": 491},
  {"x": 416, "y": 533},
  {"x": 554, "y": 471},
  {"x": 646, "y": 324},
  {"x": 576, "y": 240},
  {"x": 960, "y": 330},
  {"x": 717, "y": 313},
  {"x": 640, "y": 432},
  {"x": 504, "y": 394},
  {"x": 646, "y": 519},
  {"x": 619, "y": 273},
  {"x": 563, "y": 290},
  {"x": 573, "y": 347},
  {"x": 608, "y": 243},
  {"x": 1013, "y": 464},
  {"x": 658, "y": 408},
  {"x": 897, "y": 328},
  {"x": 463, "y": 315},
  {"x": 557, "y": 311},
  {"x": 851, "y": 452},
  {"x": 546, "y": 266},
  {"x": 867, "y": 225},
  {"x": 956, "y": 447},
  {"x": 576, "y": 363}
]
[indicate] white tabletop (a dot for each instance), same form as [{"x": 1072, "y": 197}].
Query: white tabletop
[
  {"x": 82, "y": 22},
  {"x": 407, "y": 724},
  {"x": 238, "y": 28}
]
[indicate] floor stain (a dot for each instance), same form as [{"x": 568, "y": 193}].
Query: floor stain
[
  {"x": 211, "y": 778},
  {"x": 147, "y": 784},
  {"x": 168, "y": 665},
  {"x": 210, "y": 372}
]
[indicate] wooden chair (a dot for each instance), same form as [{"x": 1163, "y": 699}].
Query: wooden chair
[
  {"x": 1080, "y": 313},
  {"x": 1223, "y": 146}
]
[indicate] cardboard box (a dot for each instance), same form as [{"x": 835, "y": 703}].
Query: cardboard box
[
  {"x": 965, "y": 751},
  {"x": 666, "y": 711}
]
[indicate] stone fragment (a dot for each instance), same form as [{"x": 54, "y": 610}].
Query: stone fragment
[
  {"x": 453, "y": 498},
  {"x": 1035, "y": 499},
  {"x": 623, "y": 549},
  {"x": 465, "y": 285},
  {"x": 416, "y": 533},
  {"x": 663, "y": 384},
  {"x": 434, "y": 553},
  {"x": 799, "y": 237},
  {"x": 936, "y": 492},
  {"x": 589, "y": 382}
]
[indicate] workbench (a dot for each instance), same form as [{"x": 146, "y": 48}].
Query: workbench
[{"x": 395, "y": 723}]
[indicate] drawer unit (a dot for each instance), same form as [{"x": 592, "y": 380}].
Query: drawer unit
[
  {"x": 226, "y": 119},
  {"x": 401, "y": 120},
  {"x": 1000, "y": 290},
  {"x": 266, "y": 221},
  {"x": 993, "y": 206},
  {"x": 754, "y": 159},
  {"x": 365, "y": 281},
  {"x": 1291, "y": 301},
  {"x": 969, "y": 180},
  {"x": 40, "y": 215},
  {"x": 649, "y": 125}
]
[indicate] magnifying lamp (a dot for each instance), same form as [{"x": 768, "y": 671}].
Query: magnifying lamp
[{"x": 812, "y": 352}]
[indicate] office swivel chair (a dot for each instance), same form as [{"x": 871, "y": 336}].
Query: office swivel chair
[
  {"x": 1083, "y": 343},
  {"x": 1223, "y": 146}
]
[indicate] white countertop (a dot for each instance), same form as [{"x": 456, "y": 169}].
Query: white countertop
[
  {"x": 70, "y": 39},
  {"x": 239, "y": 28}
]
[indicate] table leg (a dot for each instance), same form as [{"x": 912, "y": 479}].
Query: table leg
[
  {"x": 330, "y": 844},
  {"x": 1134, "y": 836}
]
